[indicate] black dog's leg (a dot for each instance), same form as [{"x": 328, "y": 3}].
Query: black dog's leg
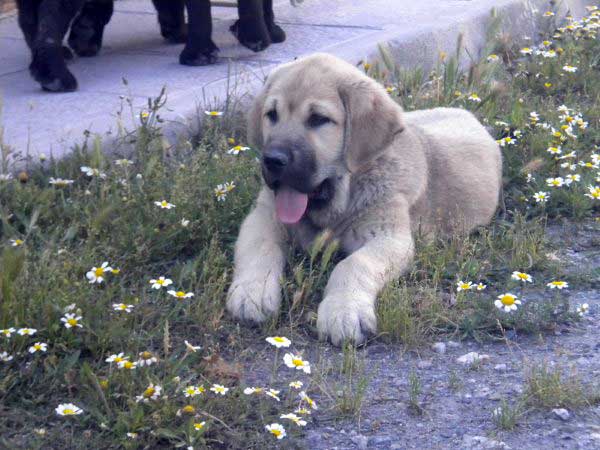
[
  {"x": 275, "y": 31},
  {"x": 87, "y": 29},
  {"x": 251, "y": 28},
  {"x": 28, "y": 21},
  {"x": 48, "y": 65},
  {"x": 199, "y": 50},
  {"x": 171, "y": 19}
]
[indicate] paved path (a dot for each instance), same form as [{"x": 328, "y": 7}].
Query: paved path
[{"x": 37, "y": 122}]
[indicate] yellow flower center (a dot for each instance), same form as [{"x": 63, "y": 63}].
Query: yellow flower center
[
  {"x": 522, "y": 276},
  {"x": 99, "y": 272},
  {"x": 72, "y": 322},
  {"x": 18, "y": 241},
  {"x": 118, "y": 359},
  {"x": 149, "y": 392},
  {"x": 163, "y": 203},
  {"x": 507, "y": 300},
  {"x": 37, "y": 346},
  {"x": 128, "y": 365},
  {"x": 68, "y": 412},
  {"x": 276, "y": 432},
  {"x": 188, "y": 409},
  {"x": 146, "y": 355},
  {"x": 199, "y": 426},
  {"x": 297, "y": 362}
]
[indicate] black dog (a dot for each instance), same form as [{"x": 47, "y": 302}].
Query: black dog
[{"x": 45, "y": 23}]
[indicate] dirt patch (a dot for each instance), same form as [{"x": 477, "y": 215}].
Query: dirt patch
[{"x": 457, "y": 401}]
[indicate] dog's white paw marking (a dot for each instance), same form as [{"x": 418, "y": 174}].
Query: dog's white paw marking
[
  {"x": 343, "y": 319},
  {"x": 254, "y": 299}
]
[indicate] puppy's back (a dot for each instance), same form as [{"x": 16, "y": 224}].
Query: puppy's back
[{"x": 464, "y": 165}]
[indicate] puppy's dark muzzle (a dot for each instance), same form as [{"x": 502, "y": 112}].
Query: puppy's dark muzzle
[
  {"x": 276, "y": 161},
  {"x": 289, "y": 163}
]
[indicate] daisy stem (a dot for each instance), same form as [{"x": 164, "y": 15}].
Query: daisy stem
[{"x": 275, "y": 360}]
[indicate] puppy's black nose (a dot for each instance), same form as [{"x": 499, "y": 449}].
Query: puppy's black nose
[{"x": 275, "y": 160}]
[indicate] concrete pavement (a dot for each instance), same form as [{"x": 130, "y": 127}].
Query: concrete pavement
[{"x": 38, "y": 122}]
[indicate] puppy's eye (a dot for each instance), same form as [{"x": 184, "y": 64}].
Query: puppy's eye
[
  {"x": 317, "y": 120},
  {"x": 272, "y": 115}
]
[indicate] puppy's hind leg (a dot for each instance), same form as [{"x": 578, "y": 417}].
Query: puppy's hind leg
[
  {"x": 87, "y": 30},
  {"x": 199, "y": 49},
  {"x": 171, "y": 18}
]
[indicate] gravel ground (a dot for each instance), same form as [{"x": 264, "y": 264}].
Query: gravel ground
[{"x": 458, "y": 400}]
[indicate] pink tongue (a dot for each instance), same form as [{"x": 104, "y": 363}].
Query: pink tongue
[{"x": 290, "y": 205}]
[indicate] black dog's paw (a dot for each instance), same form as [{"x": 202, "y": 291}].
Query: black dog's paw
[
  {"x": 251, "y": 35},
  {"x": 67, "y": 53},
  {"x": 49, "y": 69},
  {"x": 85, "y": 44},
  {"x": 202, "y": 56},
  {"x": 277, "y": 34},
  {"x": 175, "y": 35}
]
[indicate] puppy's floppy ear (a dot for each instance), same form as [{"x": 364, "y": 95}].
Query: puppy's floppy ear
[
  {"x": 373, "y": 119},
  {"x": 255, "y": 118}
]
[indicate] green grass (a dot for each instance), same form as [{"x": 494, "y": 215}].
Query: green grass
[
  {"x": 554, "y": 387},
  {"x": 68, "y": 230}
]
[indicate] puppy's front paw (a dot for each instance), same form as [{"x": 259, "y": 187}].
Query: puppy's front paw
[
  {"x": 251, "y": 299},
  {"x": 343, "y": 319}
]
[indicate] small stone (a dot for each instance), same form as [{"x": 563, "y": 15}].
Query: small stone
[
  {"x": 501, "y": 367},
  {"x": 380, "y": 440},
  {"x": 472, "y": 358},
  {"x": 495, "y": 396},
  {"x": 439, "y": 347},
  {"x": 483, "y": 392},
  {"x": 561, "y": 413},
  {"x": 482, "y": 442},
  {"x": 361, "y": 441},
  {"x": 453, "y": 344},
  {"x": 424, "y": 364}
]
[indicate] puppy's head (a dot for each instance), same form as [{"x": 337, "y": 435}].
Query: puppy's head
[{"x": 316, "y": 121}]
